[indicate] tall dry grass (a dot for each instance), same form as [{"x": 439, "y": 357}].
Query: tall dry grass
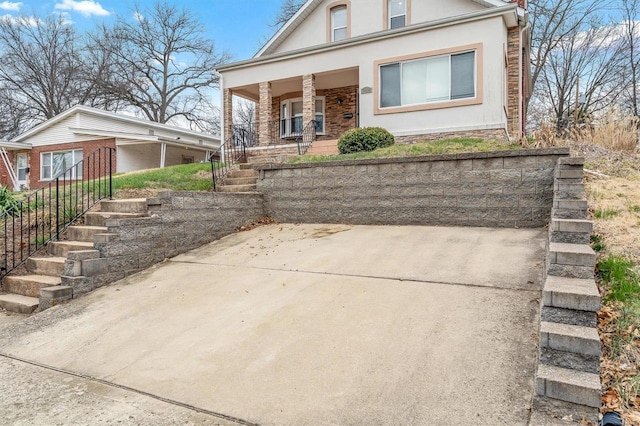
[{"x": 613, "y": 131}]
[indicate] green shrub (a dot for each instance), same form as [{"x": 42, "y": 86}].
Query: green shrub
[
  {"x": 364, "y": 139},
  {"x": 8, "y": 202}
]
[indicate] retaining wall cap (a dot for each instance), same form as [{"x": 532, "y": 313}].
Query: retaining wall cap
[{"x": 423, "y": 158}]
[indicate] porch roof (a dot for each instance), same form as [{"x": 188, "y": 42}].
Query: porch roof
[
  {"x": 139, "y": 138},
  {"x": 14, "y": 146}
]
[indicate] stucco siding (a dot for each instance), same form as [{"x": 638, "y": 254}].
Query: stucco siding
[{"x": 367, "y": 16}]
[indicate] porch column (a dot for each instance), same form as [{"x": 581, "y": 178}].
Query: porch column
[
  {"x": 256, "y": 119},
  {"x": 308, "y": 98},
  {"x": 163, "y": 154},
  {"x": 264, "y": 108},
  {"x": 228, "y": 114}
]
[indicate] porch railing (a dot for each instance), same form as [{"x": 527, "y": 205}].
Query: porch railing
[
  {"x": 245, "y": 135},
  {"x": 46, "y": 212},
  {"x": 306, "y": 138},
  {"x": 223, "y": 159}
]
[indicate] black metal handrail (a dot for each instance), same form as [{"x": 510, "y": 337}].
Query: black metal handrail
[
  {"x": 46, "y": 212},
  {"x": 224, "y": 158},
  {"x": 245, "y": 135},
  {"x": 305, "y": 140}
]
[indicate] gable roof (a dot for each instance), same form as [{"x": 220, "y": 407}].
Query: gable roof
[
  {"x": 173, "y": 131},
  {"x": 309, "y": 6}
]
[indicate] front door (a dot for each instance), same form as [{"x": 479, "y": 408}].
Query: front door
[{"x": 21, "y": 171}]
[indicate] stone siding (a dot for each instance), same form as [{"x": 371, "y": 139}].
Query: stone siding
[
  {"x": 335, "y": 123},
  {"x": 499, "y": 189}
]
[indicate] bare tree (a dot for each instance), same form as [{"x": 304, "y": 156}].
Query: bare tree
[
  {"x": 551, "y": 22},
  {"x": 630, "y": 75},
  {"x": 163, "y": 65},
  {"x": 580, "y": 77},
  {"x": 244, "y": 113},
  {"x": 287, "y": 10},
  {"x": 40, "y": 66}
]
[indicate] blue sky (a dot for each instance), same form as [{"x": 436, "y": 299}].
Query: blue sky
[{"x": 239, "y": 26}]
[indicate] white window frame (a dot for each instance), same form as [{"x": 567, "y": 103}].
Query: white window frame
[
  {"x": 449, "y": 55},
  {"x": 345, "y": 27},
  {"x": 287, "y": 131},
  {"x": 76, "y": 156},
  {"x": 25, "y": 156},
  {"x": 396, "y": 16}
]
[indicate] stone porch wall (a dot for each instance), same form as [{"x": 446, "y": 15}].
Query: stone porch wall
[{"x": 498, "y": 189}]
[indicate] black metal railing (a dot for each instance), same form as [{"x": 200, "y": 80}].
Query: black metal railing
[
  {"x": 306, "y": 138},
  {"x": 245, "y": 135},
  {"x": 46, "y": 212},
  {"x": 223, "y": 159}
]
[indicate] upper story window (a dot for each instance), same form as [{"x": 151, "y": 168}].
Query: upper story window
[
  {"x": 339, "y": 21},
  {"x": 397, "y": 13}
]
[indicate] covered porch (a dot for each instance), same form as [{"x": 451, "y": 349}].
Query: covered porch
[{"x": 320, "y": 106}]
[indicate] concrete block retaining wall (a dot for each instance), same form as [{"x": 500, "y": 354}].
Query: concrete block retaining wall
[
  {"x": 177, "y": 222},
  {"x": 497, "y": 189}
]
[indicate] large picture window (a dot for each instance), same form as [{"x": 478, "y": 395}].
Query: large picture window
[
  {"x": 428, "y": 80},
  {"x": 54, "y": 164}
]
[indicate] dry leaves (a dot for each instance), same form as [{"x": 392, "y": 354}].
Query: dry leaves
[{"x": 264, "y": 220}]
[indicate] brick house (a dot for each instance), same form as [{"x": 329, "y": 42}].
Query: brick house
[
  {"x": 45, "y": 151},
  {"x": 422, "y": 69}
]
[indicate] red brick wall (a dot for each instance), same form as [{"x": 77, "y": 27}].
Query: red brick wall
[
  {"x": 5, "y": 180},
  {"x": 87, "y": 148}
]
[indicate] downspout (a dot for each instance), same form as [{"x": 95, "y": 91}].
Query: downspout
[{"x": 523, "y": 74}]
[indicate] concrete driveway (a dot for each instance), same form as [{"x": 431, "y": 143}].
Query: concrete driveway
[{"x": 306, "y": 324}]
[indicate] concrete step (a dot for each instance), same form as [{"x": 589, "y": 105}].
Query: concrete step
[
  {"x": 18, "y": 303},
  {"x": 29, "y": 285},
  {"x": 572, "y": 225},
  {"x": 98, "y": 218},
  {"x": 84, "y": 233},
  {"x": 240, "y": 181},
  {"x": 270, "y": 159},
  {"x": 576, "y": 172},
  {"x": 573, "y": 386},
  {"x": 570, "y": 360},
  {"x": 570, "y": 209},
  {"x": 62, "y": 248},
  {"x": 571, "y": 293},
  {"x": 569, "y": 237},
  {"x": 568, "y": 163},
  {"x": 52, "y": 266},
  {"x": 245, "y": 166},
  {"x": 571, "y": 260},
  {"x": 568, "y": 191},
  {"x": 552, "y": 412},
  {"x": 570, "y": 338},
  {"x": 240, "y": 174},
  {"x": 133, "y": 205},
  {"x": 236, "y": 188},
  {"x": 568, "y": 316}
]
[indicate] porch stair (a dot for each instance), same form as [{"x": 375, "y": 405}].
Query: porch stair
[
  {"x": 568, "y": 374},
  {"x": 43, "y": 279},
  {"x": 242, "y": 178},
  {"x": 329, "y": 147}
]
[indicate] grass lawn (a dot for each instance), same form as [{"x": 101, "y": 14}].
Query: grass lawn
[
  {"x": 444, "y": 146},
  {"x": 186, "y": 177}
]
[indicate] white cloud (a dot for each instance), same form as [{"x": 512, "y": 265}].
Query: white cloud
[
  {"x": 31, "y": 21},
  {"x": 8, "y": 5},
  {"x": 84, "y": 7}
]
